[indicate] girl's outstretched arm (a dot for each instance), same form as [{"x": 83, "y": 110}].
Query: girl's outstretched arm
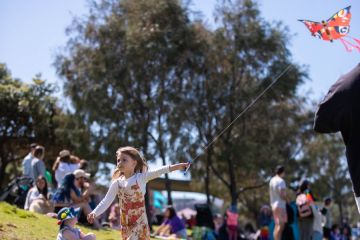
[
  {"x": 164, "y": 169},
  {"x": 105, "y": 203},
  {"x": 179, "y": 166}
]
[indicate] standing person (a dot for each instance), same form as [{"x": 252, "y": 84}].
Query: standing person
[
  {"x": 340, "y": 111},
  {"x": 317, "y": 228},
  {"x": 263, "y": 222},
  {"x": 326, "y": 212},
  {"x": 37, "y": 163},
  {"x": 26, "y": 164},
  {"x": 278, "y": 201},
  {"x": 232, "y": 223},
  {"x": 129, "y": 183},
  {"x": 64, "y": 164},
  {"x": 304, "y": 200},
  {"x": 346, "y": 229}
]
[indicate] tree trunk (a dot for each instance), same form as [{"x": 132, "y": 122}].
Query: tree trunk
[
  {"x": 207, "y": 176},
  {"x": 168, "y": 187},
  {"x": 341, "y": 211},
  {"x": 233, "y": 189},
  {"x": 2, "y": 173}
]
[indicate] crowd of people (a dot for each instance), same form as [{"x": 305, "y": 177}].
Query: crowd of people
[
  {"x": 302, "y": 218},
  {"x": 73, "y": 196},
  {"x": 309, "y": 219}
]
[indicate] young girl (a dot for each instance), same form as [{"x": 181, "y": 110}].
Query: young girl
[
  {"x": 129, "y": 182},
  {"x": 67, "y": 220}
]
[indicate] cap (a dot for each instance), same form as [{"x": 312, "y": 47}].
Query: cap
[
  {"x": 33, "y": 145},
  {"x": 81, "y": 173},
  {"x": 67, "y": 213},
  {"x": 64, "y": 153}
]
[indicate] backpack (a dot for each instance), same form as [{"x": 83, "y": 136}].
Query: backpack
[{"x": 303, "y": 206}]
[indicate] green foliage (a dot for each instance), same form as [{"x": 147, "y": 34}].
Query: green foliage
[
  {"x": 325, "y": 165},
  {"x": 241, "y": 57},
  {"x": 123, "y": 70},
  {"x": 29, "y": 113},
  {"x": 26, "y": 115}
]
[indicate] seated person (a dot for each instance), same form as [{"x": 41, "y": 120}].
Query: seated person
[
  {"x": 69, "y": 195},
  {"x": 67, "y": 220},
  {"x": 37, "y": 197},
  {"x": 172, "y": 225}
]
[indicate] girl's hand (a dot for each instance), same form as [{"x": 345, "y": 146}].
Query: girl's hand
[
  {"x": 179, "y": 166},
  {"x": 91, "y": 217}
]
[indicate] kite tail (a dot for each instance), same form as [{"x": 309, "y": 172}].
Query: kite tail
[
  {"x": 350, "y": 46},
  {"x": 358, "y": 42}
]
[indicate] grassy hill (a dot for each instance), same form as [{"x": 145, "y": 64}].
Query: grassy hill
[{"x": 16, "y": 224}]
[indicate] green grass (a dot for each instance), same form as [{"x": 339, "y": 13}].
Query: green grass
[{"x": 16, "y": 224}]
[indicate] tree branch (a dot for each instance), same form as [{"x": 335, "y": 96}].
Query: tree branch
[
  {"x": 244, "y": 189},
  {"x": 218, "y": 175}
]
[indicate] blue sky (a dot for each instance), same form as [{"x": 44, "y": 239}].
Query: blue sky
[{"x": 33, "y": 30}]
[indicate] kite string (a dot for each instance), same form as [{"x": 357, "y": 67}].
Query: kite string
[{"x": 239, "y": 115}]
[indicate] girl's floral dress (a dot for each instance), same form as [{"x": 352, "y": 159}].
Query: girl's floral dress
[{"x": 131, "y": 193}]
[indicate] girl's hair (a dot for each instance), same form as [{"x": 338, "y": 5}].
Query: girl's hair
[
  {"x": 141, "y": 165},
  {"x": 45, "y": 190},
  {"x": 172, "y": 212},
  {"x": 63, "y": 192}
]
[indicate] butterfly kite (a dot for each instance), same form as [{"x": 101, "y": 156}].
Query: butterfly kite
[{"x": 335, "y": 28}]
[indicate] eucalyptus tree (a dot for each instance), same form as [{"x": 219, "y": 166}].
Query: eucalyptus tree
[
  {"x": 243, "y": 55},
  {"x": 123, "y": 68}
]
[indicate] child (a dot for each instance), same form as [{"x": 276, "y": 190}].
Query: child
[
  {"x": 129, "y": 183},
  {"x": 67, "y": 220}
]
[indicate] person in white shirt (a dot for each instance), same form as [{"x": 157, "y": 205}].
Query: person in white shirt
[
  {"x": 37, "y": 198},
  {"x": 278, "y": 201},
  {"x": 64, "y": 165}
]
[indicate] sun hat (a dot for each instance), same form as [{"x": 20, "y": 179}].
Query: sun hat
[
  {"x": 81, "y": 173},
  {"x": 66, "y": 213}
]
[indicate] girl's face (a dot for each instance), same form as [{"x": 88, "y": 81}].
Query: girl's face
[
  {"x": 71, "y": 222},
  {"x": 41, "y": 184},
  {"x": 125, "y": 163}
]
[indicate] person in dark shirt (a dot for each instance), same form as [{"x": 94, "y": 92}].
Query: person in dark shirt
[
  {"x": 340, "y": 112},
  {"x": 172, "y": 225}
]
